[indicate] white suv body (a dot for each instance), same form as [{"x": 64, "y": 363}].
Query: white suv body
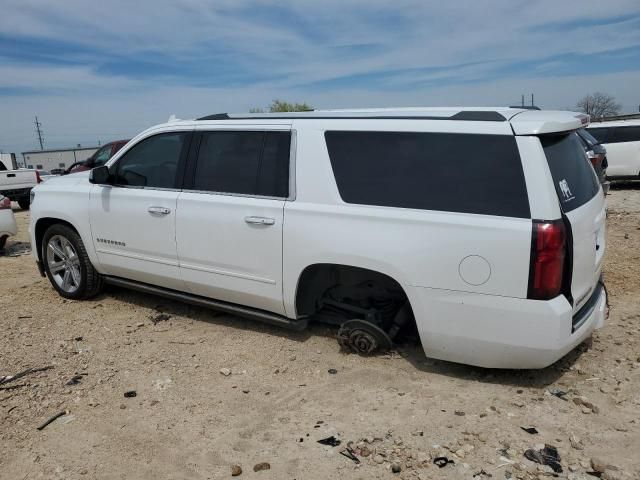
[
  {"x": 486, "y": 226},
  {"x": 622, "y": 141}
]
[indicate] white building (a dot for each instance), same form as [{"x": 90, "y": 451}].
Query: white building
[{"x": 58, "y": 158}]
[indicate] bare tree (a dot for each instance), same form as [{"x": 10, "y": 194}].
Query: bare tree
[{"x": 599, "y": 105}]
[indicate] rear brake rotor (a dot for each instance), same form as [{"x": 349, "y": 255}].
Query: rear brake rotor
[{"x": 362, "y": 337}]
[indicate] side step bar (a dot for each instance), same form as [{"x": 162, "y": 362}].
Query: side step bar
[{"x": 246, "y": 312}]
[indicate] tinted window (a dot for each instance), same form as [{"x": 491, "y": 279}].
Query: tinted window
[
  {"x": 625, "y": 134},
  {"x": 586, "y": 137},
  {"x": 273, "y": 177},
  {"x": 600, "y": 134},
  {"x": 151, "y": 163},
  {"x": 430, "y": 171},
  {"x": 250, "y": 163},
  {"x": 573, "y": 175}
]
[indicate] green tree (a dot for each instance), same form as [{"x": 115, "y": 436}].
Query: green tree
[{"x": 283, "y": 106}]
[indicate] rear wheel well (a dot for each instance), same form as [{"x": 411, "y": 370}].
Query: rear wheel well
[
  {"x": 317, "y": 278},
  {"x": 334, "y": 286},
  {"x": 371, "y": 308},
  {"x": 42, "y": 225}
]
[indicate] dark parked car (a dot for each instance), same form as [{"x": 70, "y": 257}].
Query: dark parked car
[
  {"x": 99, "y": 158},
  {"x": 597, "y": 155}
]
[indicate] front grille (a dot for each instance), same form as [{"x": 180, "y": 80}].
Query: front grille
[{"x": 581, "y": 315}]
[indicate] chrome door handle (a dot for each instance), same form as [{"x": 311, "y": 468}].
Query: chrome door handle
[
  {"x": 260, "y": 220},
  {"x": 159, "y": 210}
]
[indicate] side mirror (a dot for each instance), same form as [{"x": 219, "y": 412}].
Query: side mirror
[{"x": 99, "y": 175}]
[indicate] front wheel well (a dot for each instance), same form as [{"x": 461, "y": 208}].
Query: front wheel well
[{"x": 42, "y": 225}]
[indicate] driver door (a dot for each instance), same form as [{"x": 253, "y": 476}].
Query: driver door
[{"x": 133, "y": 219}]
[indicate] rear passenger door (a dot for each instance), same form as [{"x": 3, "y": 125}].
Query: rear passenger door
[{"x": 230, "y": 216}]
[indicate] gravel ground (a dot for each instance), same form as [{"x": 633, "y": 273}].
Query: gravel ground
[{"x": 191, "y": 421}]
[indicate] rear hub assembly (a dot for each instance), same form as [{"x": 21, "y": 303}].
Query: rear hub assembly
[{"x": 362, "y": 337}]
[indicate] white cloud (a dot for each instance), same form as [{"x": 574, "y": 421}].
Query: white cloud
[{"x": 296, "y": 43}]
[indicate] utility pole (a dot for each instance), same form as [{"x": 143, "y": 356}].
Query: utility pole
[
  {"x": 39, "y": 132},
  {"x": 532, "y": 104},
  {"x": 523, "y": 99}
]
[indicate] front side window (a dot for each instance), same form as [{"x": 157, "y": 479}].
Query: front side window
[
  {"x": 152, "y": 163},
  {"x": 451, "y": 172},
  {"x": 573, "y": 175},
  {"x": 244, "y": 162}
]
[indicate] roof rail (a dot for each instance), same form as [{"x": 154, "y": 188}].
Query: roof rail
[
  {"x": 215, "y": 116},
  {"x": 468, "y": 115}
]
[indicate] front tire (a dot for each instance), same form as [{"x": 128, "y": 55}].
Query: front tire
[
  {"x": 67, "y": 264},
  {"x": 24, "y": 203}
]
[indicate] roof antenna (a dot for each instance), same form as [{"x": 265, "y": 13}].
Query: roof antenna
[{"x": 173, "y": 118}]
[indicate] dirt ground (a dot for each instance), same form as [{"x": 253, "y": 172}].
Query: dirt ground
[{"x": 190, "y": 421}]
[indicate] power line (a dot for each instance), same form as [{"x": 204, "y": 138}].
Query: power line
[{"x": 39, "y": 132}]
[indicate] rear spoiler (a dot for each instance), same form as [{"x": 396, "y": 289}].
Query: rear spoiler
[{"x": 534, "y": 122}]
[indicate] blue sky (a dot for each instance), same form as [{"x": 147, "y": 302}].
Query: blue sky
[{"x": 96, "y": 71}]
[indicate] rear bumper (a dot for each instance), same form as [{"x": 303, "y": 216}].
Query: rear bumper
[{"x": 500, "y": 332}]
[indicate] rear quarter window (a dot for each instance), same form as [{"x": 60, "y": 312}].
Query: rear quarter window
[
  {"x": 452, "y": 172},
  {"x": 573, "y": 176}
]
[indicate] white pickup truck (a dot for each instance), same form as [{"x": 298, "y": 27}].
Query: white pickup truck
[{"x": 16, "y": 184}]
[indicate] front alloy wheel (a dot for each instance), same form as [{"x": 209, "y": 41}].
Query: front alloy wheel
[
  {"x": 67, "y": 263},
  {"x": 63, "y": 263}
]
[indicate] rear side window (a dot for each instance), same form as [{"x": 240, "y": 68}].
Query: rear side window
[
  {"x": 449, "y": 172},
  {"x": 600, "y": 133},
  {"x": 625, "y": 134},
  {"x": 573, "y": 175},
  {"x": 244, "y": 162}
]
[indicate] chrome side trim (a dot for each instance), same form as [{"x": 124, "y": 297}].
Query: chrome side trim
[
  {"x": 242, "y": 311},
  {"x": 227, "y": 273},
  {"x": 138, "y": 257}
]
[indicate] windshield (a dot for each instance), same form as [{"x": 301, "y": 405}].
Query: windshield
[{"x": 573, "y": 175}]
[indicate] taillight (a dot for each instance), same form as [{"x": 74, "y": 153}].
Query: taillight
[
  {"x": 38, "y": 179},
  {"x": 548, "y": 249},
  {"x": 595, "y": 158},
  {"x": 5, "y": 203}
]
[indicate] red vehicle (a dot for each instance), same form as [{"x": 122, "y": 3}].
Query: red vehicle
[{"x": 98, "y": 159}]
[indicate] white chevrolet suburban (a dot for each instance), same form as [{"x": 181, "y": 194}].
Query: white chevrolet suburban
[{"x": 481, "y": 229}]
